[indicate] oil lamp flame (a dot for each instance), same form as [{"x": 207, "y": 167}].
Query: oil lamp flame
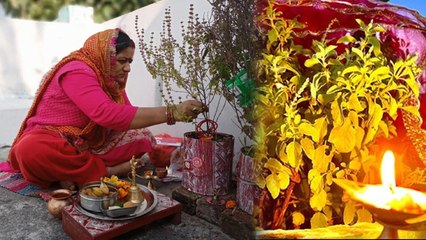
[
  {"x": 388, "y": 170},
  {"x": 394, "y": 207},
  {"x": 388, "y": 195}
]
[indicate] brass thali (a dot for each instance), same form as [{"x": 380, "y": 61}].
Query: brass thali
[{"x": 149, "y": 203}]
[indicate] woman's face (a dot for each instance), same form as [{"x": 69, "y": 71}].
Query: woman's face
[{"x": 121, "y": 67}]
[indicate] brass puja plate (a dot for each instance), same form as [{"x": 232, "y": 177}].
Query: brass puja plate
[{"x": 149, "y": 203}]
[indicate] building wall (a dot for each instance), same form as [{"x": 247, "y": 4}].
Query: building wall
[{"x": 28, "y": 49}]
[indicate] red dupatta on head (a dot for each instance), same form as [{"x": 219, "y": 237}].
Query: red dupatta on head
[{"x": 98, "y": 52}]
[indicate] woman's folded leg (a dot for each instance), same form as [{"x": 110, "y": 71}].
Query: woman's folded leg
[{"x": 44, "y": 157}]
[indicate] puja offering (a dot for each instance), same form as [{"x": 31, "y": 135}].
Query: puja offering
[
  {"x": 97, "y": 191},
  {"x": 80, "y": 224},
  {"x": 122, "y": 199},
  {"x": 124, "y": 205},
  {"x": 118, "y": 202},
  {"x": 124, "y": 209},
  {"x": 121, "y": 185},
  {"x": 92, "y": 198},
  {"x": 394, "y": 207}
]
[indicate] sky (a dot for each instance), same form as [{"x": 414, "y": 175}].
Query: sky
[{"x": 418, "y": 5}]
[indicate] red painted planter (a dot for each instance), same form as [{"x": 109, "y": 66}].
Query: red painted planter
[
  {"x": 208, "y": 164},
  {"x": 247, "y": 190}
]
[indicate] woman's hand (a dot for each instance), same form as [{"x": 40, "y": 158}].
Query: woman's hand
[
  {"x": 189, "y": 110},
  {"x": 183, "y": 112},
  {"x": 124, "y": 168}
]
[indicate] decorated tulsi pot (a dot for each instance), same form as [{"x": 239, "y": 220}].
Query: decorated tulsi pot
[
  {"x": 247, "y": 190},
  {"x": 208, "y": 163}
]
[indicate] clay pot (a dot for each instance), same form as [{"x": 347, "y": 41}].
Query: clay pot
[{"x": 60, "y": 199}]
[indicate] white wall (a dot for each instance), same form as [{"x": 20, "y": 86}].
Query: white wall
[
  {"x": 2, "y": 12},
  {"x": 29, "y": 48}
]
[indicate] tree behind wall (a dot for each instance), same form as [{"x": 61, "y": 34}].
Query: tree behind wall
[{"x": 47, "y": 10}]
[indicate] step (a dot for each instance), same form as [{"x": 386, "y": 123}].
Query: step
[{"x": 234, "y": 222}]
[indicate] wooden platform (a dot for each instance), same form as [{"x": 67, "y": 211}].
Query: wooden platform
[{"x": 79, "y": 226}]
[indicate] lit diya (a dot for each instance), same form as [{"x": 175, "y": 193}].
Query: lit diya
[
  {"x": 394, "y": 207},
  {"x": 149, "y": 176}
]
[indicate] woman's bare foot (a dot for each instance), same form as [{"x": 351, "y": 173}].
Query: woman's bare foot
[{"x": 67, "y": 185}]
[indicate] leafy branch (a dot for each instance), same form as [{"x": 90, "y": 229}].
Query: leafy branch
[{"x": 183, "y": 66}]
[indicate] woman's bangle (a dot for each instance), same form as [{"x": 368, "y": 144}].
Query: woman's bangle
[{"x": 170, "y": 118}]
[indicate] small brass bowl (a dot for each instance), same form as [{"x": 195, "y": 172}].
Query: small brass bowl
[
  {"x": 95, "y": 204},
  {"x": 161, "y": 172}
]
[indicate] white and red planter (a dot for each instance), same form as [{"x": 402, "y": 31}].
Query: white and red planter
[
  {"x": 208, "y": 164},
  {"x": 247, "y": 191}
]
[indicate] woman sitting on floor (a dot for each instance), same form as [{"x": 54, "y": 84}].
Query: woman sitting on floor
[{"x": 81, "y": 125}]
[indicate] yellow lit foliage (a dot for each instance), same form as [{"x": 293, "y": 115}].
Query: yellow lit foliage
[{"x": 321, "y": 117}]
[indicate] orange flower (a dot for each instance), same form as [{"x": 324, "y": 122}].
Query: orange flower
[
  {"x": 122, "y": 186},
  {"x": 230, "y": 204},
  {"x": 122, "y": 193}
]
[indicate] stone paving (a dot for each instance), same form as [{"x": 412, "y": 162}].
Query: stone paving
[{"x": 24, "y": 217}]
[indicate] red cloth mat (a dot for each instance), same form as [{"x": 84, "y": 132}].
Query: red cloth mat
[{"x": 15, "y": 182}]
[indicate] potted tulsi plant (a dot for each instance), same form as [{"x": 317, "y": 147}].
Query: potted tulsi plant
[{"x": 184, "y": 68}]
